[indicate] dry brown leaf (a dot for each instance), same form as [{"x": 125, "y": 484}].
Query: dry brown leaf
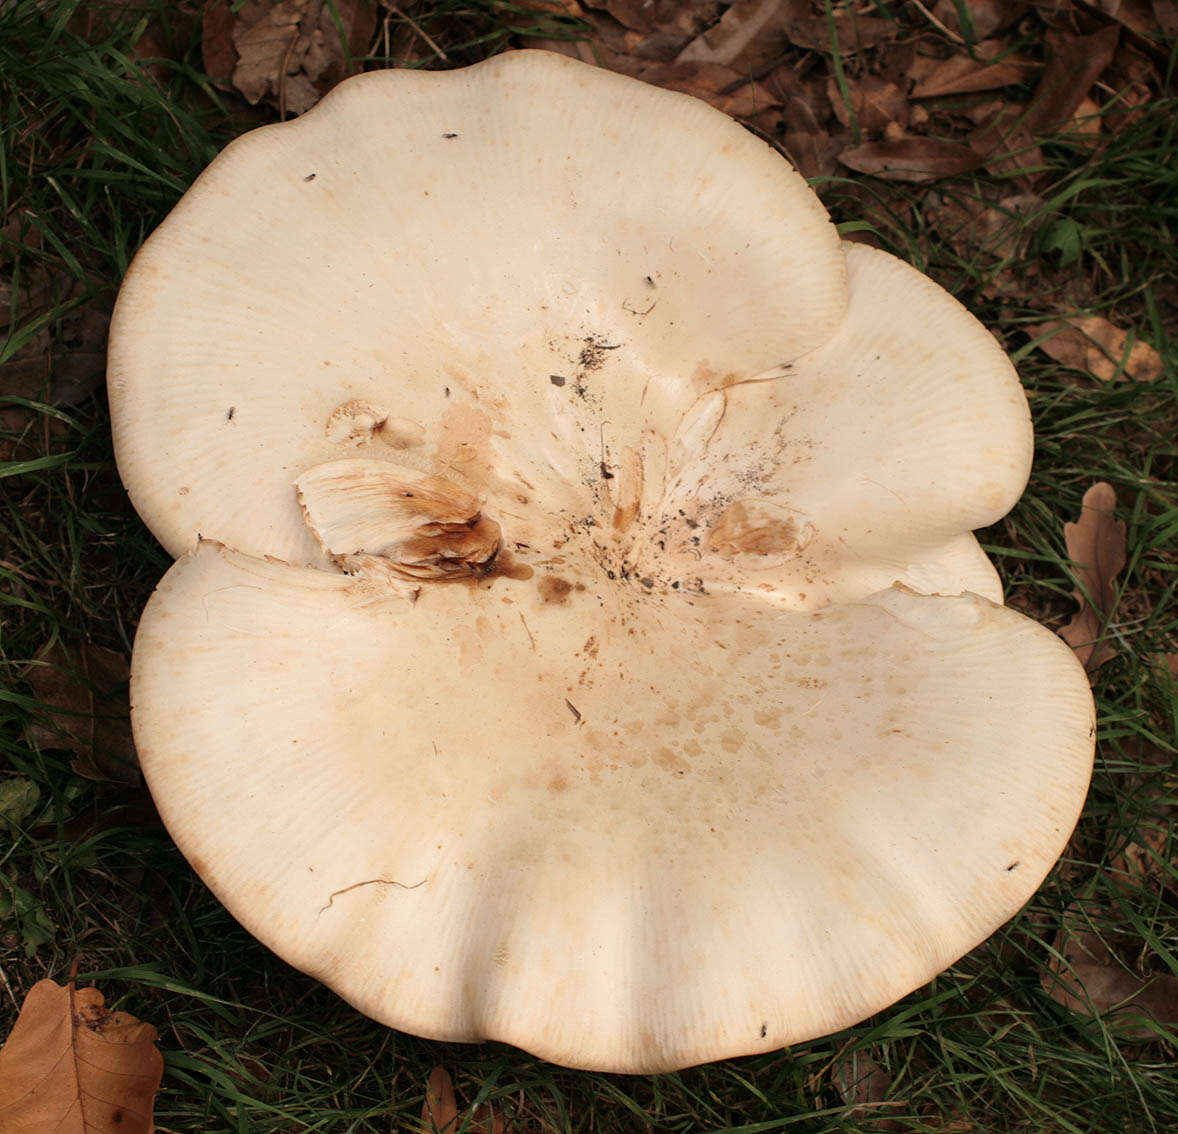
[
  {"x": 1138, "y": 85},
  {"x": 813, "y": 152},
  {"x": 748, "y": 35},
  {"x": 994, "y": 235},
  {"x": 864, "y": 1085},
  {"x": 1096, "y": 547},
  {"x": 65, "y": 372},
  {"x": 707, "y": 81},
  {"x": 877, "y": 103},
  {"x": 216, "y": 41},
  {"x": 64, "y": 362},
  {"x": 74, "y": 1067},
  {"x": 911, "y": 159},
  {"x": 1003, "y": 140},
  {"x": 1094, "y": 344},
  {"x": 288, "y": 52},
  {"x": 854, "y": 33},
  {"x": 679, "y": 24},
  {"x": 639, "y": 15},
  {"x": 974, "y": 225},
  {"x": 1137, "y": 15},
  {"x": 959, "y": 74},
  {"x": 689, "y": 20},
  {"x": 409, "y": 46},
  {"x": 87, "y": 691},
  {"x": 1140, "y": 861},
  {"x": 1088, "y": 978},
  {"x": 1165, "y": 12},
  {"x": 1086, "y": 126},
  {"x": 266, "y": 52},
  {"x": 439, "y": 1112},
  {"x": 985, "y": 16},
  {"x": 808, "y": 108},
  {"x": 1068, "y": 78}
]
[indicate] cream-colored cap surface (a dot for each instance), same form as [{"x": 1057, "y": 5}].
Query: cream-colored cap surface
[
  {"x": 444, "y": 249},
  {"x": 623, "y": 831},
  {"x": 578, "y": 637}
]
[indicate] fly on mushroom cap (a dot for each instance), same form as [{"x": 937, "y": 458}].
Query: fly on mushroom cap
[{"x": 593, "y": 534}]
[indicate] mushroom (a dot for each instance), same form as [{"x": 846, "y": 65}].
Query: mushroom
[{"x": 577, "y": 636}]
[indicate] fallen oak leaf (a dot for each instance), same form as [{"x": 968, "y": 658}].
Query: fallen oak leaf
[
  {"x": 877, "y": 103},
  {"x": 1137, "y": 17},
  {"x": 748, "y": 34},
  {"x": 961, "y": 74},
  {"x": 996, "y": 228},
  {"x": 1165, "y": 12},
  {"x": 638, "y": 15},
  {"x": 851, "y": 33},
  {"x": 911, "y": 159},
  {"x": 1068, "y": 77},
  {"x": 216, "y": 41},
  {"x": 1096, "y": 546},
  {"x": 87, "y": 710},
  {"x": 1086, "y": 977},
  {"x": 439, "y": 1112},
  {"x": 864, "y": 1086},
  {"x": 1142, "y": 860},
  {"x": 984, "y": 17},
  {"x": 264, "y": 50},
  {"x": 813, "y": 152},
  {"x": 1006, "y": 144},
  {"x": 74, "y": 1067},
  {"x": 1101, "y": 348},
  {"x": 673, "y": 27},
  {"x": 287, "y": 52},
  {"x": 709, "y": 82}
]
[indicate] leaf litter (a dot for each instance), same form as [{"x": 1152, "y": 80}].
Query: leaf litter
[
  {"x": 440, "y": 1113},
  {"x": 286, "y": 52},
  {"x": 1096, "y": 547},
  {"x": 1087, "y": 976},
  {"x": 73, "y": 1066},
  {"x": 1093, "y": 344},
  {"x": 87, "y": 710}
]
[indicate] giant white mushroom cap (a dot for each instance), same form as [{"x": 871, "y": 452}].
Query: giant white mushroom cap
[{"x": 578, "y": 638}]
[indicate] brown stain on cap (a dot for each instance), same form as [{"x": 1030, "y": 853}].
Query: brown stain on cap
[
  {"x": 554, "y": 589},
  {"x": 736, "y": 532}
]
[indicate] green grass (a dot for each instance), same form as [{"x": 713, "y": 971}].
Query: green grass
[{"x": 93, "y": 154}]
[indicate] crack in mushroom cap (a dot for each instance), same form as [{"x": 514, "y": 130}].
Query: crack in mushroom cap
[
  {"x": 614, "y": 743},
  {"x": 499, "y": 813}
]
